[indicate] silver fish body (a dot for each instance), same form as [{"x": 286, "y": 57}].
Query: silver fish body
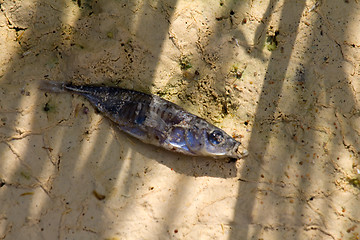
[{"x": 155, "y": 120}]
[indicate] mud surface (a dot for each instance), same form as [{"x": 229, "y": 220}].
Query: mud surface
[{"x": 281, "y": 76}]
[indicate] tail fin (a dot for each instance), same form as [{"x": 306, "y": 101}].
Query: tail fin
[{"x": 49, "y": 86}]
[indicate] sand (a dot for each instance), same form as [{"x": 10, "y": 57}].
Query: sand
[{"x": 282, "y": 77}]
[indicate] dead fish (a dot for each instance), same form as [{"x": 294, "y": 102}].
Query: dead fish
[{"x": 155, "y": 120}]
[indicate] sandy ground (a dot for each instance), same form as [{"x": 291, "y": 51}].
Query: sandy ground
[{"x": 281, "y": 76}]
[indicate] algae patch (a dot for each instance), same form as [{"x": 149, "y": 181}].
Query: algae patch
[
  {"x": 185, "y": 63},
  {"x": 271, "y": 42},
  {"x": 355, "y": 182},
  {"x": 49, "y": 107}
]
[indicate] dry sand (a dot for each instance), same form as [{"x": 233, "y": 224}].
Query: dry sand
[{"x": 281, "y": 76}]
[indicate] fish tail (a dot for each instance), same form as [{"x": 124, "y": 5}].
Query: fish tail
[{"x": 50, "y": 86}]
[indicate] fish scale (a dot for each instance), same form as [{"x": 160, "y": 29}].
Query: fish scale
[{"x": 155, "y": 120}]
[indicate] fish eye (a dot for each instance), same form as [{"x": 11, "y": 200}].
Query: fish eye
[{"x": 216, "y": 137}]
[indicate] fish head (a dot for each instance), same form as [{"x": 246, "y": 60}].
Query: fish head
[
  {"x": 205, "y": 139},
  {"x": 218, "y": 144}
]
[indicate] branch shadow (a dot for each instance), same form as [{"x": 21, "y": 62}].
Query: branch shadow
[
  {"x": 259, "y": 143},
  {"x": 286, "y": 146}
]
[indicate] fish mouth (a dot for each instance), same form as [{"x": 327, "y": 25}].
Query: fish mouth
[
  {"x": 239, "y": 152},
  {"x": 243, "y": 153}
]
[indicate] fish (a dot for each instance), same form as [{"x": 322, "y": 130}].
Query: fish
[{"x": 155, "y": 121}]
